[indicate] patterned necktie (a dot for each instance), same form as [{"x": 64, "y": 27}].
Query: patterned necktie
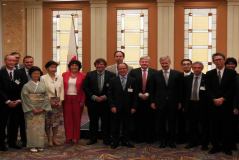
[
  {"x": 165, "y": 74},
  {"x": 123, "y": 82},
  {"x": 100, "y": 82},
  {"x": 144, "y": 80},
  {"x": 10, "y": 76},
  {"x": 219, "y": 76},
  {"x": 195, "y": 89}
]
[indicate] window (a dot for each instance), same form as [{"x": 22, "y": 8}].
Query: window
[
  {"x": 200, "y": 35},
  {"x": 62, "y": 21},
  {"x": 132, "y": 34}
]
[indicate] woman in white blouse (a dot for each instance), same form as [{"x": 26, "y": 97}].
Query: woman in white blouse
[{"x": 55, "y": 89}]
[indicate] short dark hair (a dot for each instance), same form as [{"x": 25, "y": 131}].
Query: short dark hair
[
  {"x": 231, "y": 60},
  {"x": 33, "y": 69},
  {"x": 49, "y": 63},
  {"x": 15, "y": 53},
  {"x": 77, "y": 62},
  {"x": 218, "y": 54},
  {"x": 119, "y": 52},
  {"x": 186, "y": 59},
  {"x": 26, "y": 57},
  {"x": 100, "y": 60},
  {"x": 124, "y": 64}
]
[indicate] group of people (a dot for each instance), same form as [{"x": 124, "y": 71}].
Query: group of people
[{"x": 140, "y": 105}]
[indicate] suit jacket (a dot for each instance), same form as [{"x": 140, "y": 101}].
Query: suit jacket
[
  {"x": 187, "y": 88},
  {"x": 23, "y": 75},
  {"x": 79, "y": 85},
  {"x": 113, "y": 68},
  {"x": 137, "y": 74},
  {"x": 91, "y": 86},
  {"x": 236, "y": 99},
  {"x": 123, "y": 100},
  {"x": 10, "y": 90},
  {"x": 170, "y": 94},
  {"x": 227, "y": 88}
]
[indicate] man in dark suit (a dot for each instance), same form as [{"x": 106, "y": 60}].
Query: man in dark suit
[
  {"x": 145, "y": 115},
  {"x": 96, "y": 85},
  {"x": 28, "y": 62},
  {"x": 182, "y": 123},
  {"x": 196, "y": 106},
  {"x": 221, "y": 87},
  {"x": 166, "y": 96},
  {"x": 122, "y": 100},
  {"x": 10, "y": 90}
]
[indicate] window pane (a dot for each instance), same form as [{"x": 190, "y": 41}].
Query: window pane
[
  {"x": 200, "y": 35},
  {"x": 132, "y": 34},
  {"x": 62, "y": 22}
]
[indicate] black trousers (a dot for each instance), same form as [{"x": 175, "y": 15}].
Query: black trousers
[
  {"x": 120, "y": 126},
  {"x": 166, "y": 123},
  {"x": 182, "y": 127},
  {"x": 96, "y": 112},
  {"x": 198, "y": 123},
  {"x": 4, "y": 116},
  {"x": 221, "y": 129},
  {"x": 144, "y": 122}
]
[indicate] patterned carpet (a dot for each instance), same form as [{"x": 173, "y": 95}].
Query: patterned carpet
[{"x": 102, "y": 152}]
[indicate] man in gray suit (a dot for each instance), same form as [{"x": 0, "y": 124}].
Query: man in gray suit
[{"x": 119, "y": 58}]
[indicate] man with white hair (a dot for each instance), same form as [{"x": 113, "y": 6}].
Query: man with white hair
[{"x": 166, "y": 95}]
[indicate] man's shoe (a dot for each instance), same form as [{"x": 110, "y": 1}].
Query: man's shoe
[
  {"x": 172, "y": 145},
  {"x": 162, "y": 145},
  {"x": 114, "y": 145},
  {"x": 204, "y": 148},
  {"x": 127, "y": 144},
  {"x": 3, "y": 148},
  {"x": 228, "y": 152},
  {"x": 91, "y": 142},
  {"x": 214, "y": 150},
  {"x": 14, "y": 146},
  {"x": 190, "y": 145}
]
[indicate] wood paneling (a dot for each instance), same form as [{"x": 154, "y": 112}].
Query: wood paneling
[
  {"x": 112, "y": 28},
  {"x": 180, "y": 5},
  {"x": 48, "y": 7}
]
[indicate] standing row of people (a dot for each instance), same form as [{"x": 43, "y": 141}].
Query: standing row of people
[{"x": 142, "y": 104}]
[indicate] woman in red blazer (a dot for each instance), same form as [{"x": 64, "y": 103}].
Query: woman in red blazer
[{"x": 74, "y": 101}]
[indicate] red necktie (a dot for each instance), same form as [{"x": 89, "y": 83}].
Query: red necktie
[{"x": 144, "y": 80}]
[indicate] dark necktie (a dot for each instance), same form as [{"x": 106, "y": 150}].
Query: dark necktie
[
  {"x": 219, "y": 76},
  {"x": 195, "y": 89},
  {"x": 144, "y": 80},
  {"x": 10, "y": 76}
]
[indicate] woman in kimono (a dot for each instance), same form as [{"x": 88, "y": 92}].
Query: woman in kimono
[
  {"x": 35, "y": 104},
  {"x": 55, "y": 90},
  {"x": 74, "y": 101}
]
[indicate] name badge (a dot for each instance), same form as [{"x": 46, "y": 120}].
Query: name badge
[
  {"x": 17, "y": 82},
  {"x": 107, "y": 85},
  {"x": 202, "y": 88},
  {"x": 130, "y": 90}
]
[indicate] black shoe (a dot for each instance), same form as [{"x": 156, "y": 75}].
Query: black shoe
[
  {"x": 162, "y": 145},
  {"x": 91, "y": 142},
  {"x": 228, "y": 152},
  {"x": 214, "y": 150},
  {"x": 127, "y": 144},
  {"x": 172, "y": 145},
  {"x": 190, "y": 145},
  {"x": 106, "y": 142},
  {"x": 204, "y": 148},
  {"x": 114, "y": 145},
  {"x": 14, "y": 146},
  {"x": 3, "y": 148}
]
